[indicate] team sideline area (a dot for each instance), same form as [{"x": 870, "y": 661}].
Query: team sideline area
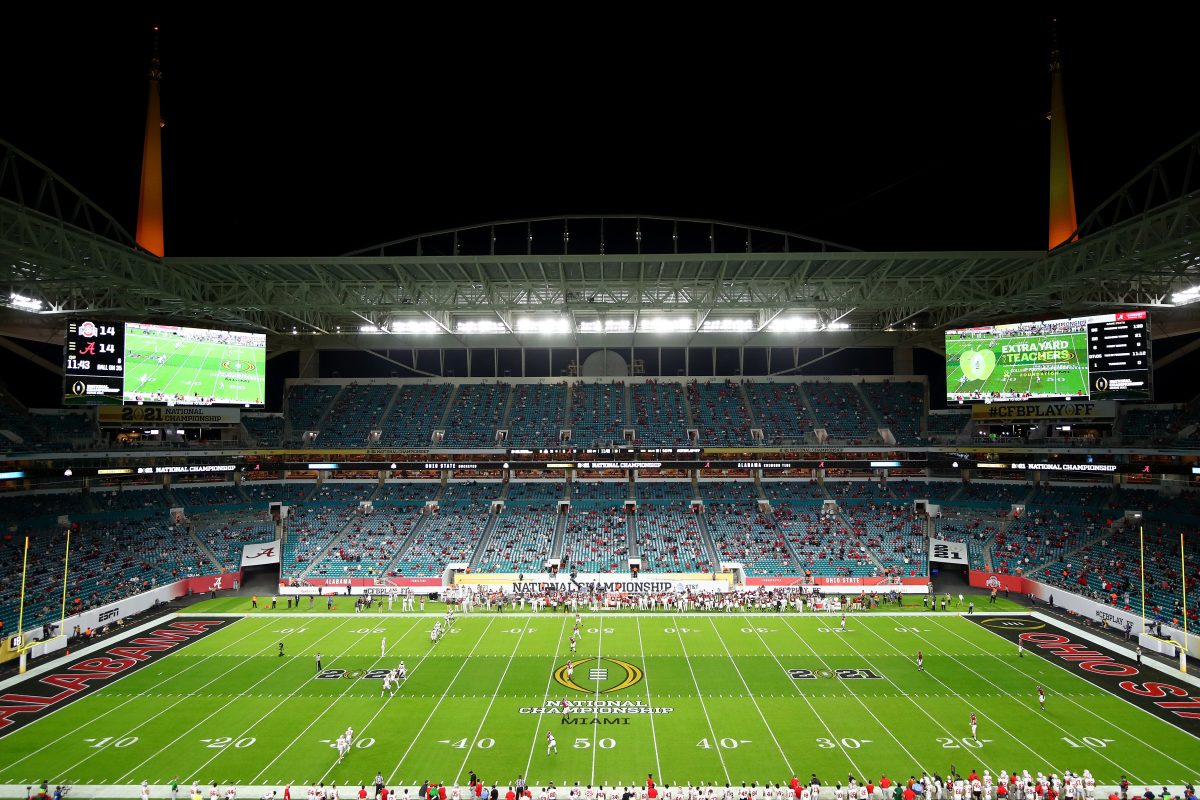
[{"x": 258, "y": 702}]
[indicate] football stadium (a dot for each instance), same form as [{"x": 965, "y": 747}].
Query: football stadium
[{"x": 587, "y": 506}]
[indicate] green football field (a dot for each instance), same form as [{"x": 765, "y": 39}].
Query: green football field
[
  {"x": 229, "y": 373},
  {"x": 987, "y": 368},
  {"x": 739, "y": 697}
]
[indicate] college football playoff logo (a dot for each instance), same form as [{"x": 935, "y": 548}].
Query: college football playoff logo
[{"x": 605, "y": 675}]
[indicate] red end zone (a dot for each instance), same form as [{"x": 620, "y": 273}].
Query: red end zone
[
  {"x": 1144, "y": 687},
  {"x": 33, "y": 698}
]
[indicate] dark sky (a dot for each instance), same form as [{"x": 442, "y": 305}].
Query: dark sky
[
  {"x": 323, "y": 135},
  {"x": 332, "y": 132}
]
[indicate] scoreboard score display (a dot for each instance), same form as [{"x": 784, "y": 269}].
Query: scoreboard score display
[
  {"x": 1100, "y": 357},
  {"x": 93, "y": 363},
  {"x": 110, "y": 363}
]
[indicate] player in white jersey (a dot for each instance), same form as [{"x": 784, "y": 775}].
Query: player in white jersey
[
  {"x": 401, "y": 671},
  {"x": 436, "y": 632},
  {"x": 145, "y": 790},
  {"x": 387, "y": 684},
  {"x": 342, "y": 747},
  {"x": 974, "y": 726},
  {"x": 843, "y": 622},
  {"x": 920, "y": 661},
  {"x": 572, "y": 641},
  {"x": 1089, "y": 784},
  {"x": 1041, "y": 697},
  {"x": 230, "y": 793},
  {"x": 551, "y": 745},
  {"x": 214, "y": 793},
  {"x": 570, "y": 670},
  {"x": 838, "y": 792},
  {"x": 862, "y": 793}
]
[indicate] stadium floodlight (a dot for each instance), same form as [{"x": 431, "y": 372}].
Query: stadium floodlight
[
  {"x": 1187, "y": 296},
  {"x": 543, "y": 325},
  {"x": 370, "y": 329},
  {"x": 793, "y": 324},
  {"x": 728, "y": 324},
  {"x": 605, "y": 326},
  {"x": 23, "y": 303},
  {"x": 665, "y": 324},
  {"x": 414, "y": 326},
  {"x": 838, "y": 326},
  {"x": 478, "y": 326}
]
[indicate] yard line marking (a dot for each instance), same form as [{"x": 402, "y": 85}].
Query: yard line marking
[
  {"x": 222, "y": 708},
  {"x": 438, "y": 704},
  {"x": 703, "y": 706},
  {"x": 537, "y": 725},
  {"x": 1093, "y": 713},
  {"x": 817, "y": 715},
  {"x": 925, "y": 711},
  {"x": 1022, "y": 703},
  {"x": 350, "y": 685},
  {"x": 650, "y": 704},
  {"x": 491, "y": 702},
  {"x": 762, "y": 716},
  {"x": 133, "y": 697},
  {"x": 596, "y": 699}
]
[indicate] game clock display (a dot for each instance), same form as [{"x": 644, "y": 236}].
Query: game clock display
[{"x": 138, "y": 363}]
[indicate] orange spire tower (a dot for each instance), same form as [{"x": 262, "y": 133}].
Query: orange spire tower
[
  {"x": 1062, "y": 187},
  {"x": 150, "y": 198}
]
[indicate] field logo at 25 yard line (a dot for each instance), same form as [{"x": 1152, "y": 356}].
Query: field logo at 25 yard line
[{"x": 30, "y": 699}]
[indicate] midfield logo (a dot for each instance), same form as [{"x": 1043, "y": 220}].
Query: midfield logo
[{"x": 626, "y": 675}]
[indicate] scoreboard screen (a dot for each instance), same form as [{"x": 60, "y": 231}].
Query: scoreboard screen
[
  {"x": 1101, "y": 357},
  {"x": 138, "y": 363}
]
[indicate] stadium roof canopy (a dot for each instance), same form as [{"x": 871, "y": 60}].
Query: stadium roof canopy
[{"x": 601, "y": 279}]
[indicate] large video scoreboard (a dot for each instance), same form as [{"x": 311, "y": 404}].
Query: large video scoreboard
[
  {"x": 132, "y": 362},
  {"x": 1101, "y": 357}
]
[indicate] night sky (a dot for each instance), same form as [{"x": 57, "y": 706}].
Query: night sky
[{"x": 322, "y": 135}]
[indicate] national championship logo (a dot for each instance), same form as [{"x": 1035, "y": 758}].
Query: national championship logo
[
  {"x": 606, "y": 675},
  {"x": 1013, "y": 623},
  {"x": 237, "y": 366}
]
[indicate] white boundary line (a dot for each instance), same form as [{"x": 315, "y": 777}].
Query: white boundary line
[
  {"x": 119, "y": 706},
  {"x": 491, "y": 703},
  {"x": 703, "y": 705},
  {"x": 786, "y": 761},
  {"x": 228, "y": 703},
  {"x": 1097, "y": 716},
  {"x": 1034, "y": 714},
  {"x": 537, "y": 722},
  {"x": 650, "y": 703},
  {"x": 328, "y": 708},
  {"x": 437, "y": 705}
]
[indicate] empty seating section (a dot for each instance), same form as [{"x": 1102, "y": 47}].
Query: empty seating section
[
  {"x": 842, "y": 413},
  {"x": 900, "y": 406},
  {"x": 1041, "y": 535},
  {"x": 854, "y": 490},
  {"x": 396, "y": 491},
  {"x": 669, "y": 539},
  {"x": 306, "y": 404},
  {"x": 597, "y": 413},
  {"x": 537, "y": 415},
  {"x": 416, "y": 413},
  {"x": 521, "y": 539},
  {"x": 130, "y": 499},
  {"x": 451, "y": 535},
  {"x": 265, "y": 430},
  {"x": 793, "y": 490},
  {"x": 66, "y": 428},
  {"x": 193, "y": 497},
  {"x": 32, "y": 506},
  {"x": 20, "y": 424},
  {"x": 369, "y": 543},
  {"x": 536, "y": 490},
  {"x": 821, "y": 542},
  {"x": 225, "y": 533},
  {"x": 1081, "y": 496},
  {"x": 892, "y": 533},
  {"x": 992, "y": 493},
  {"x": 273, "y": 492},
  {"x": 658, "y": 414},
  {"x": 470, "y": 491},
  {"x": 600, "y": 490},
  {"x": 1157, "y": 425},
  {"x": 310, "y": 529},
  {"x": 779, "y": 409},
  {"x": 719, "y": 413},
  {"x": 476, "y": 414},
  {"x": 595, "y": 539},
  {"x": 729, "y": 490},
  {"x": 742, "y": 535},
  {"x": 947, "y": 425},
  {"x": 974, "y": 527},
  {"x": 916, "y": 490},
  {"x": 354, "y": 414},
  {"x": 347, "y": 492},
  {"x": 664, "y": 490}
]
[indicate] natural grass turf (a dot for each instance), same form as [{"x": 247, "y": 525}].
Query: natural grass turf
[{"x": 228, "y": 709}]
